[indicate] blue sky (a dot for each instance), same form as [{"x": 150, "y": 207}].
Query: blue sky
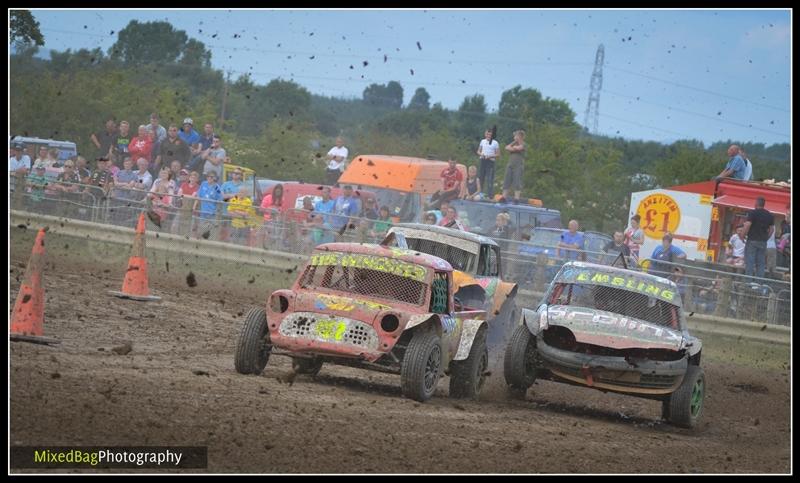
[{"x": 668, "y": 74}]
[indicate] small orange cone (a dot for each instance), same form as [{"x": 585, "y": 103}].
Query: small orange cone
[
  {"x": 27, "y": 320},
  {"x": 134, "y": 286}
]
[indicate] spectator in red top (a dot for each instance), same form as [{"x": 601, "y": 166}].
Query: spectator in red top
[
  {"x": 451, "y": 185},
  {"x": 141, "y": 146}
]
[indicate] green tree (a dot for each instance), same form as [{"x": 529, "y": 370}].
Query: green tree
[
  {"x": 420, "y": 100},
  {"x": 389, "y": 95},
  {"x": 686, "y": 162},
  {"x": 24, "y": 29},
  {"x": 471, "y": 117},
  {"x": 157, "y": 42}
]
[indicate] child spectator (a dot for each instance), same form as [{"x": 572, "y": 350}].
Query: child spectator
[
  {"x": 161, "y": 194},
  {"x": 242, "y": 212},
  {"x": 322, "y": 214},
  {"x": 634, "y": 237},
  {"x": 36, "y": 183},
  {"x": 736, "y": 246},
  {"x": 382, "y": 224},
  {"x": 182, "y": 223},
  {"x": 472, "y": 187},
  {"x": 270, "y": 208},
  {"x": 209, "y": 196},
  {"x": 161, "y": 199},
  {"x": 120, "y": 150}
]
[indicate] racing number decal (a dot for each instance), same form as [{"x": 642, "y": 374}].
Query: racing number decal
[{"x": 330, "y": 329}]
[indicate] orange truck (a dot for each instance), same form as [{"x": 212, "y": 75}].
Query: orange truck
[{"x": 402, "y": 183}]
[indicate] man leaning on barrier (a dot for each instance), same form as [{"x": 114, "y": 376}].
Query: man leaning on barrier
[{"x": 666, "y": 252}]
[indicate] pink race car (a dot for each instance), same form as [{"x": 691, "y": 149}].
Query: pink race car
[{"x": 375, "y": 307}]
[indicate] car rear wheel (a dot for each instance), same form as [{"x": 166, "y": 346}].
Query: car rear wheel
[
  {"x": 685, "y": 405},
  {"x": 519, "y": 366},
  {"x": 306, "y": 366},
  {"x": 468, "y": 376},
  {"x": 253, "y": 347},
  {"x": 421, "y": 366}
]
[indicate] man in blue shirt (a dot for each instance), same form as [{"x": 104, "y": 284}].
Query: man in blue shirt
[
  {"x": 736, "y": 166},
  {"x": 210, "y": 196},
  {"x": 231, "y": 188},
  {"x": 188, "y": 134},
  {"x": 321, "y": 217},
  {"x": 571, "y": 245},
  {"x": 346, "y": 206},
  {"x": 666, "y": 252}
]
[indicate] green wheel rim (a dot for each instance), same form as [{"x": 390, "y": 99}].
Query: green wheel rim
[{"x": 697, "y": 397}]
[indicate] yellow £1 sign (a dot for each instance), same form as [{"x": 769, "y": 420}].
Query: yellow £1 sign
[{"x": 660, "y": 214}]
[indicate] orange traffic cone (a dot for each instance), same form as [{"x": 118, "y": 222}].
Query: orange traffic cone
[
  {"x": 134, "y": 286},
  {"x": 27, "y": 320}
]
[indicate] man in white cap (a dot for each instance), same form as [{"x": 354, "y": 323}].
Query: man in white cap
[{"x": 188, "y": 134}]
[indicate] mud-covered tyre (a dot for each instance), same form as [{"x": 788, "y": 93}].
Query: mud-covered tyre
[
  {"x": 501, "y": 326},
  {"x": 519, "y": 366},
  {"x": 306, "y": 366},
  {"x": 422, "y": 366},
  {"x": 253, "y": 346},
  {"x": 468, "y": 376},
  {"x": 686, "y": 403}
]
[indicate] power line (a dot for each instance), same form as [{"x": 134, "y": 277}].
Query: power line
[
  {"x": 705, "y": 116},
  {"x": 697, "y": 89},
  {"x": 457, "y": 61}
]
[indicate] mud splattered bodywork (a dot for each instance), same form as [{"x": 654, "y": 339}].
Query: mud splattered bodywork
[
  {"x": 359, "y": 303},
  {"x": 615, "y": 330},
  {"x": 477, "y": 270}
]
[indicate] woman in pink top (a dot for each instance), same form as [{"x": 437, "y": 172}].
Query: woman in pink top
[{"x": 270, "y": 205}]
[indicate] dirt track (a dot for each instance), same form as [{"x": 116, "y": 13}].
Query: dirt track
[{"x": 177, "y": 386}]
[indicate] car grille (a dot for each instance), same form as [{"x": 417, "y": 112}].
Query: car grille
[{"x": 323, "y": 328}]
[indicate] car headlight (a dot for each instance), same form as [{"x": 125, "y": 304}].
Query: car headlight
[{"x": 543, "y": 319}]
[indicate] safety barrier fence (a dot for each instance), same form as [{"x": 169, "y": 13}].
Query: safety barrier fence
[{"x": 704, "y": 290}]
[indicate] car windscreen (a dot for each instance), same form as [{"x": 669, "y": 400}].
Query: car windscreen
[
  {"x": 620, "y": 301},
  {"x": 379, "y": 277},
  {"x": 459, "y": 259}
]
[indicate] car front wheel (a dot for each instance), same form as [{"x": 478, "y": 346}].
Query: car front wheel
[
  {"x": 519, "y": 366},
  {"x": 421, "y": 366},
  {"x": 467, "y": 376},
  {"x": 253, "y": 346},
  {"x": 685, "y": 406}
]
